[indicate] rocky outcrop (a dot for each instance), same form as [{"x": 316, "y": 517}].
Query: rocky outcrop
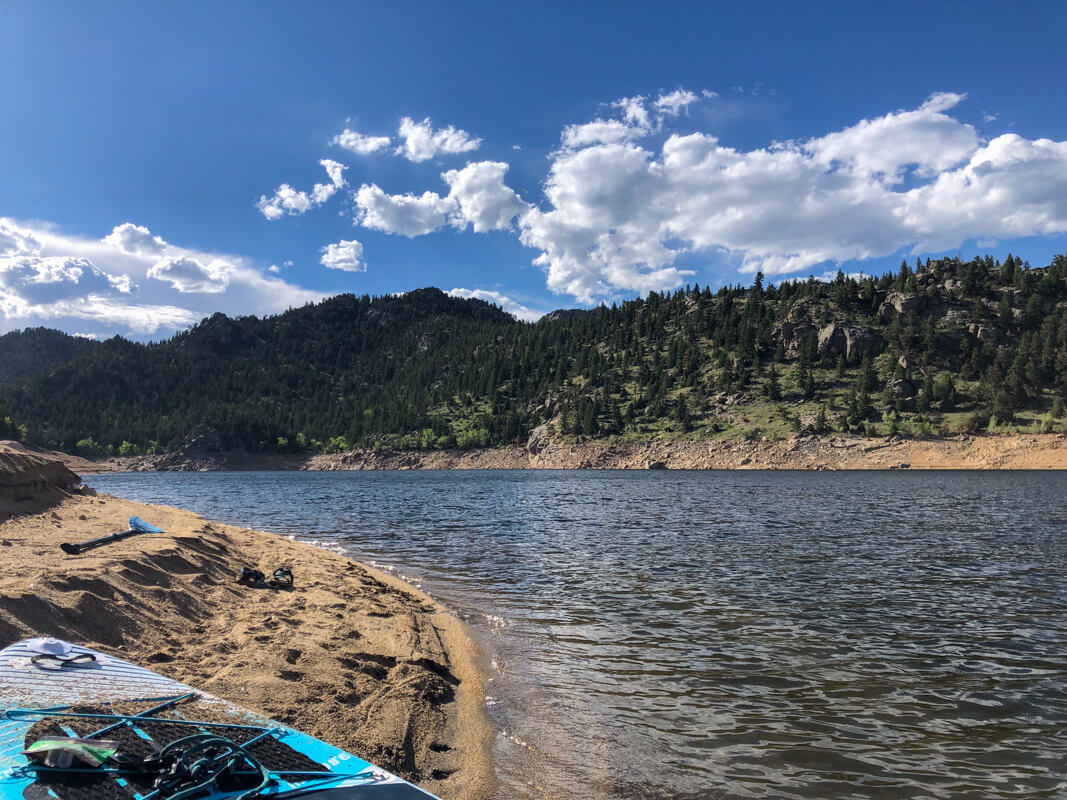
[
  {"x": 854, "y": 342},
  {"x": 899, "y": 303},
  {"x": 30, "y": 482},
  {"x": 983, "y": 333},
  {"x": 541, "y": 438},
  {"x": 177, "y": 462},
  {"x": 800, "y": 326},
  {"x": 565, "y": 314},
  {"x": 793, "y": 336},
  {"x": 201, "y": 452}
]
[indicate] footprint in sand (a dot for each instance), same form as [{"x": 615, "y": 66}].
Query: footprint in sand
[
  {"x": 291, "y": 675},
  {"x": 292, "y": 655},
  {"x": 370, "y": 664}
]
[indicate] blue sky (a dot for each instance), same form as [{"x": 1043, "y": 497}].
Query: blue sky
[{"x": 161, "y": 164}]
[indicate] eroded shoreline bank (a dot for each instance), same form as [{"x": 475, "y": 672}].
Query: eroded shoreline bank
[
  {"x": 351, "y": 654},
  {"x": 991, "y": 452}
]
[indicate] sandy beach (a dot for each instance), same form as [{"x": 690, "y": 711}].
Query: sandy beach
[{"x": 350, "y": 654}]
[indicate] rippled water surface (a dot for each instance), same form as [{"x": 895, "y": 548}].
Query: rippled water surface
[{"x": 712, "y": 634}]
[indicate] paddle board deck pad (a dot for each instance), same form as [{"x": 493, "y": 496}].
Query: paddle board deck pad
[{"x": 92, "y": 696}]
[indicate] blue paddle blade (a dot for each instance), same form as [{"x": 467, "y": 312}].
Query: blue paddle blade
[{"x": 138, "y": 524}]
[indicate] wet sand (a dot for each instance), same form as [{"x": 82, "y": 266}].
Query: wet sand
[{"x": 351, "y": 655}]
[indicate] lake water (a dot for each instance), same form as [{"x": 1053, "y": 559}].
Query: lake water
[{"x": 723, "y": 634}]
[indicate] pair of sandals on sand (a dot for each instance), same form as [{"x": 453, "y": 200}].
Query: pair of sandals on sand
[{"x": 282, "y": 578}]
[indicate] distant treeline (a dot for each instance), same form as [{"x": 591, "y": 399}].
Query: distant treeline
[{"x": 934, "y": 348}]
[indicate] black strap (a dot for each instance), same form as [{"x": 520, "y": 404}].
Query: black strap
[{"x": 56, "y": 661}]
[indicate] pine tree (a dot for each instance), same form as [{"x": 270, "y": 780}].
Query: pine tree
[{"x": 772, "y": 389}]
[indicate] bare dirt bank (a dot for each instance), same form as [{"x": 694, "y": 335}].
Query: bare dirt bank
[
  {"x": 351, "y": 655},
  {"x": 31, "y": 481},
  {"x": 992, "y": 452},
  {"x": 544, "y": 451}
]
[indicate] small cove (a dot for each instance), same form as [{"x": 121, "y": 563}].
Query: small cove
[{"x": 722, "y": 634}]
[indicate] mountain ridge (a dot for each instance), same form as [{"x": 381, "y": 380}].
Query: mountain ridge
[{"x": 944, "y": 347}]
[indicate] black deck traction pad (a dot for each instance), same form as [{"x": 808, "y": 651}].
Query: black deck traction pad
[
  {"x": 69, "y": 785},
  {"x": 273, "y": 754}
]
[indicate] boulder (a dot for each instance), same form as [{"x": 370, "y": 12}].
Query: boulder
[{"x": 852, "y": 341}]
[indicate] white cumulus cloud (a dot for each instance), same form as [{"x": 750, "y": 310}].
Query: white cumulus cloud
[
  {"x": 626, "y": 210},
  {"x": 634, "y": 111},
  {"x": 48, "y": 279},
  {"x": 617, "y": 215},
  {"x": 345, "y": 255},
  {"x": 675, "y": 102},
  {"x": 477, "y": 197},
  {"x": 136, "y": 318},
  {"x": 926, "y": 138},
  {"x": 636, "y": 122},
  {"x": 285, "y": 200},
  {"x": 421, "y": 142},
  {"x": 1008, "y": 188},
  {"x": 135, "y": 239},
  {"x": 188, "y": 275},
  {"x": 600, "y": 131},
  {"x": 480, "y": 198},
  {"x": 288, "y": 201},
  {"x": 405, "y": 214},
  {"x": 120, "y": 284},
  {"x": 16, "y": 241},
  {"x": 359, "y": 143},
  {"x": 324, "y": 191}
]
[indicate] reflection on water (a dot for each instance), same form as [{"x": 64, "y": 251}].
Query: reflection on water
[{"x": 696, "y": 635}]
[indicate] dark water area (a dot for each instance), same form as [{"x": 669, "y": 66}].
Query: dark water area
[{"x": 723, "y": 634}]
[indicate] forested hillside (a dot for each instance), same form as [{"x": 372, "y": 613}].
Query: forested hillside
[
  {"x": 934, "y": 349},
  {"x": 25, "y": 352}
]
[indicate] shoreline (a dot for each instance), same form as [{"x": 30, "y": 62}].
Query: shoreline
[
  {"x": 352, "y": 654},
  {"x": 988, "y": 452}
]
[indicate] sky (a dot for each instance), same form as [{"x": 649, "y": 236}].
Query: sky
[{"x": 162, "y": 163}]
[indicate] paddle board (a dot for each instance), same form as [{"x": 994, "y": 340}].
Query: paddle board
[{"x": 78, "y": 692}]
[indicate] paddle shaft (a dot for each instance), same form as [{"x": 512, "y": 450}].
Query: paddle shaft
[{"x": 80, "y": 547}]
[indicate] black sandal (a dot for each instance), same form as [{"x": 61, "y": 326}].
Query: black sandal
[
  {"x": 56, "y": 661},
  {"x": 251, "y": 577},
  {"x": 282, "y": 578}
]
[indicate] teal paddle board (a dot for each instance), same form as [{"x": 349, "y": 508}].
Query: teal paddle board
[{"x": 101, "y": 728}]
